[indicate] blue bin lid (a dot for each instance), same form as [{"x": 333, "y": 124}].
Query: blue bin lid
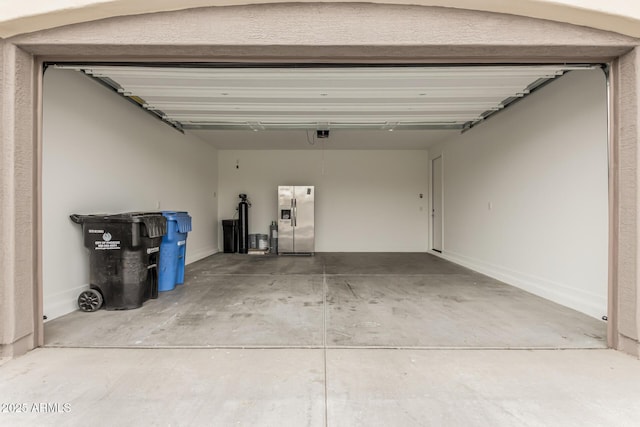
[{"x": 182, "y": 218}]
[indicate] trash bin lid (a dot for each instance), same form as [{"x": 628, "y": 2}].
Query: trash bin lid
[
  {"x": 155, "y": 224},
  {"x": 182, "y": 218}
]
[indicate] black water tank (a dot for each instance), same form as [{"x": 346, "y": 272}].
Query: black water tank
[{"x": 243, "y": 224}]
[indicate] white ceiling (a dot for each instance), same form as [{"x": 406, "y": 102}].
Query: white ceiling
[{"x": 282, "y": 107}]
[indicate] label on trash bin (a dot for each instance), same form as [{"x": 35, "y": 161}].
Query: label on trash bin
[
  {"x": 152, "y": 250},
  {"x": 92, "y": 231},
  {"x": 107, "y": 245},
  {"x": 182, "y": 242}
]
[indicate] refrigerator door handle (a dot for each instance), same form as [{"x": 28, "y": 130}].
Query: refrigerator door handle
[{"x": 295, "y": 213}]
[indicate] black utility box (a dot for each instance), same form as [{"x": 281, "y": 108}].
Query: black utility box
[
  {"x": 230, "y": 235},
  {"x": 124, "y": 250}
]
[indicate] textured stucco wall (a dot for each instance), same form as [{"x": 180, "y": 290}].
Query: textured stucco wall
[
  {"x": 17, "y": 267},
  {"x": 19, "y": 17},
  {"x": 627, "y": 116},
  {"x": 328, "y": 32}
]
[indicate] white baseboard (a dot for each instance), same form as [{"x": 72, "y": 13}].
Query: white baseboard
[
  {"x": 567, "y": 295},
  {"x": 62, "y": 303},
  {"x": 200, "y": 254}
]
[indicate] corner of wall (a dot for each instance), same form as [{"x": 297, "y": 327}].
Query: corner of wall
[
  {"x": 626, "y": 121},
  {"x": 628, "y": 345},
  {"x": 18, "y": 307},
  {"x": 19, "y": 347},
  {"x": 197, "y": 256}
]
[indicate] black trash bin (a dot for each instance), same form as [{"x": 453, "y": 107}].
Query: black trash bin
[
  {"x": 230, "y": 235},
  {"x": 124, "y": 250}
]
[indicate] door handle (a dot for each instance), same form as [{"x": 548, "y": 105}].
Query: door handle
[{"x": 295, "y": 213}]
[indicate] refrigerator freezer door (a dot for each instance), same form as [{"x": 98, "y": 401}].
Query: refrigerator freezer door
[
  {"x": 285, "y": 219},
  {"x": 304, "y": 218}
]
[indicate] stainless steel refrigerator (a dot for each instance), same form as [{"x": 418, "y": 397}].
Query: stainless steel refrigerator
[{"x": 296, "y": 229}]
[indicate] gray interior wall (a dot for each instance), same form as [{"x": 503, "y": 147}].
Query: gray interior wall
[
  {"x": 102, "y": 154},
  {"x": 526, "y": 194},
  {"x": 365, "y": 200}
]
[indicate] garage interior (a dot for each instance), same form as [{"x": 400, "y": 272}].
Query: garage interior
[{"x": 510, "y": 160}]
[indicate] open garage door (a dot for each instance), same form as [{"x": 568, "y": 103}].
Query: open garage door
[
  {"x": 247, "y": 130},
  {"x": 310, "y": 98}
]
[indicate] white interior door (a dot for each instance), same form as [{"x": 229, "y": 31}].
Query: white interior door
[{"x": 436, "y": 203}]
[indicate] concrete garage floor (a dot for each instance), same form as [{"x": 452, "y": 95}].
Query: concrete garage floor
[
  {"x": 333, "y": 317},
  {"x": 341, "y": 300},
  {"x": 315, "y": 387}
]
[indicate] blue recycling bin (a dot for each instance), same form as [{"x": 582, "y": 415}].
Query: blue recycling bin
[{"x": 172, "y": 250}]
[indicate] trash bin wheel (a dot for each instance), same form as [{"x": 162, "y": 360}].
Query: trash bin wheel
[{"x": 90, "y": 300}]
